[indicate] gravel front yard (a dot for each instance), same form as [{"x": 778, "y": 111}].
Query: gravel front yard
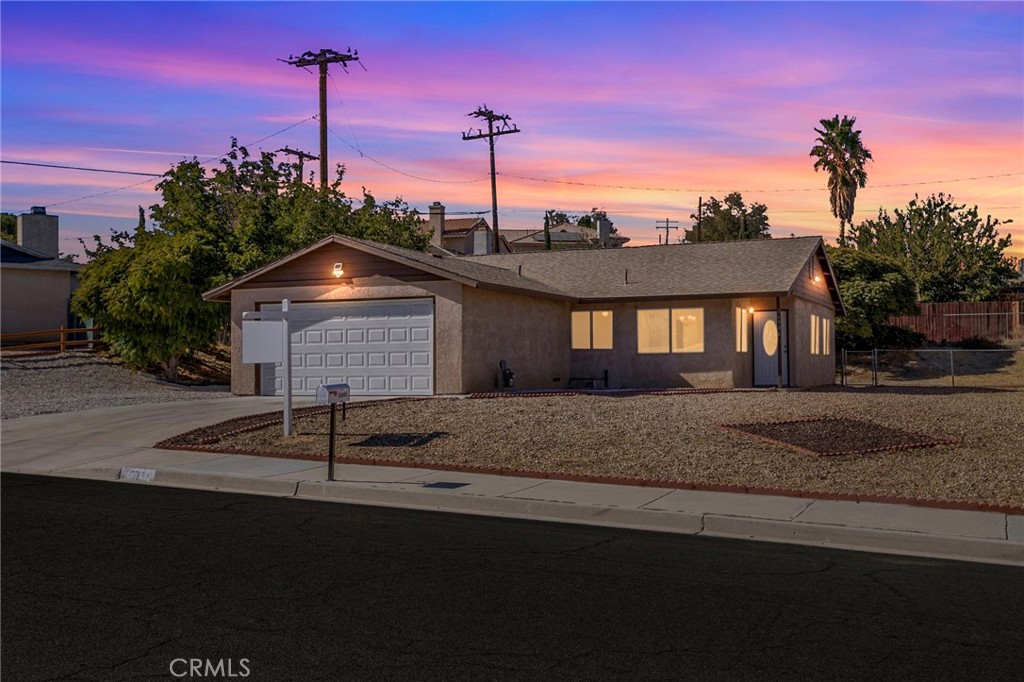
[
  {"x": 47, "y": 384},
  {"x": 677, "y": 438}
]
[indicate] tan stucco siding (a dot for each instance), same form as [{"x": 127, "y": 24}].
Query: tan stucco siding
[
  {"x": 806, "y": 369},
  {"x": 447, "y": 298},
  {"x": 530, "y": 334},
  {"x": 629, "y": 369},
  {"x": 34, "y": 300}
]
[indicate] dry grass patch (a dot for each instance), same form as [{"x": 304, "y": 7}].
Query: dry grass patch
[{"x": 678, "y": 438}]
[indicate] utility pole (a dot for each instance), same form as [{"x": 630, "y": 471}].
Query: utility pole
[
  {"x": 302, "y": 157},
  {"x": 669, "y": 225},
  {"x": 504, "y": 128},
  {"x": 700, "y": 210},
  {"x": 321, "y": 59}
]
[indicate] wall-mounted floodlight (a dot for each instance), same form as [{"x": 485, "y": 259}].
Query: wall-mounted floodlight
[{"x": 338, "y": 270}]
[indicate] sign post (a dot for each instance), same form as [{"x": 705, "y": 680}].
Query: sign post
[{"x": 267, "y": 338}]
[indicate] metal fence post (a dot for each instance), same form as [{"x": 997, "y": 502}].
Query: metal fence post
[
  {"x": 874, "y": 367},
  {"x": 952, "y": 372},
  {"x": 842, "y": 378}
]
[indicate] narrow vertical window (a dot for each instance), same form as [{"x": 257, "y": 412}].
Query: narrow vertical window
[
  {"x": 815, "y": 331},
  {"x": 826, "y": 334},
  {"x": 601, "y": 329},
  {"x": 742, "y": 331},
  {"x": 580, "y": 329}
]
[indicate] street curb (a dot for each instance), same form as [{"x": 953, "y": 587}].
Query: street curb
[
  {"x": 883, "y": 541},
  {"x": 867, "y": 539},
  {"x": 537, "y": 510}
]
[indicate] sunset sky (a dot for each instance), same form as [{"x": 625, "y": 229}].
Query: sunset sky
[{"x": 635, "y": 108}]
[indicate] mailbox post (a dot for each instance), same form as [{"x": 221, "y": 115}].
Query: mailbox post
[{"x": 332, "y": 394}]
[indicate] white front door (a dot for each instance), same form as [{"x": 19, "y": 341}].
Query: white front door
[
  {"x": 767, "y": 348},
  {"x": 383, "y": 347}
]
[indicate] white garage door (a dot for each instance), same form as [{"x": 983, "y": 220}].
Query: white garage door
[{"x": 377, "y": 347}]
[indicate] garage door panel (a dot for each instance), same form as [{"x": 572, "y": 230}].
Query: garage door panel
[{"x": 378, "y": 347}]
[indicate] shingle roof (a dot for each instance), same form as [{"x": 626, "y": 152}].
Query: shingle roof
[
  {"x": 705, "y": 269},
  {"x": 742, "y": 268},
  {"x": 454, "y": 227}
]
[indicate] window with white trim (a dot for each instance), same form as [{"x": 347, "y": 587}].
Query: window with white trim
[
  {"x": 676, "y": 330},
  {"x": 821, "y": 335},
  {"x": 592, "y": 330},
  {"x": 742, "y": 330}
]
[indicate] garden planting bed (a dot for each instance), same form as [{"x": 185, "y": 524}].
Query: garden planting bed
[{"x": 974, "y": 453}]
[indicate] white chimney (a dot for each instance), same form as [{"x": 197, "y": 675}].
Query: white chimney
[
  {"x": 39, "y": 231},
  {"x": 436, "y": 223}
]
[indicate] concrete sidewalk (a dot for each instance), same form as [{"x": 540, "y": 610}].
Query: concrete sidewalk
[{"x": 104, "y": 443}]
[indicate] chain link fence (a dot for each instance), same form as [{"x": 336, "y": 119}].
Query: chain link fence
[{"x": 951, "y": 367}]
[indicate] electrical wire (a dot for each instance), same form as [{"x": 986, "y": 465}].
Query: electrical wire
[
  {"x": 401, "y": 172},
  {"x": 153, "y": 176},
  {"x": 750, "y": 191},
  {"x": 79, "y": 168}
]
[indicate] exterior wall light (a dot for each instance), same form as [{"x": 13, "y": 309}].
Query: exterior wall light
[
  {"x": 338, "y": 270},
  {"x": 750, "y": 310}
]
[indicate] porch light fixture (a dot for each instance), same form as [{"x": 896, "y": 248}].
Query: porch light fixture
[
  {"x": 338, "y": 270},
  {"x": 750, "y": 310}
]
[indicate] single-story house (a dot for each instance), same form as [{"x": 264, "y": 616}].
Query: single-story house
[
  {"x": 35, "y": 284},
  {"x": 565, "y": 236},
  {"x": 390, "y": 321},
  {"x": 461, "y": 236}
]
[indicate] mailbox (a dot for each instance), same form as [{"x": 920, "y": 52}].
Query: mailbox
[{"x": 327, "y": 394}]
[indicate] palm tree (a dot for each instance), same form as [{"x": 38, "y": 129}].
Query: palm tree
[{"x": 840, "y": 152}]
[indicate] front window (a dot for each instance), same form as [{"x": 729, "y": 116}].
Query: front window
[
  {"x": 679, "y": 330},
  {"x": 592, "y": 330}
]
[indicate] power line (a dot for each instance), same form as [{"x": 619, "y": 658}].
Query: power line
[
  {"x": 401, "y": 172},
  {"x": 151, "y": 179},
  {"x": 705, "y": 189},
  {"x": 79, "y": 168}
]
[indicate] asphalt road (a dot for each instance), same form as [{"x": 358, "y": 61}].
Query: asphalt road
[{"x": 113, "y": 581}]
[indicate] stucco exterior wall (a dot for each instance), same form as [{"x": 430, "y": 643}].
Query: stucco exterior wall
[
  {"x": 714, "y": 368},
  {"x": 34, "y": 300},
  {"x": 447, "y": 297},
  {"x": 806, "y": 369},
  {"x": 530, "y": 334}
]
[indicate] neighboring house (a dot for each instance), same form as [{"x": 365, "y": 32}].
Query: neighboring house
[
  {"x": 401, "y": 322},
  {"x": 461, "y": 236},
  {"x": 35, "y": 285},
  {"x": 565, "y": 236}
]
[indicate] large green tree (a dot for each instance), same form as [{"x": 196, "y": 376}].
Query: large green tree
[
  {"x": 9, "y": 227},
  {"x": 729, "y": 220},
  {"x": 874, "y": 287},
  {"x": 147, "y": 296},
  {"x": 144, "y": 288},
  {"x": 946, "y": 248},
  {"x": 840, "y": 153}
]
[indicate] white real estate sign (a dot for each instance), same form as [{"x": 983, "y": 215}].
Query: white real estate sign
[{"x": 262, "y": 341}]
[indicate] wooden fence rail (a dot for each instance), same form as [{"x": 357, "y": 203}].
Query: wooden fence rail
[
  {"x": 954, "y": 322},
  {"x": 13, "y": 342}
]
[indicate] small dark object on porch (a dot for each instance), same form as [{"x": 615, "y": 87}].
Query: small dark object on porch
[{"x": 508, "y": 377}]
